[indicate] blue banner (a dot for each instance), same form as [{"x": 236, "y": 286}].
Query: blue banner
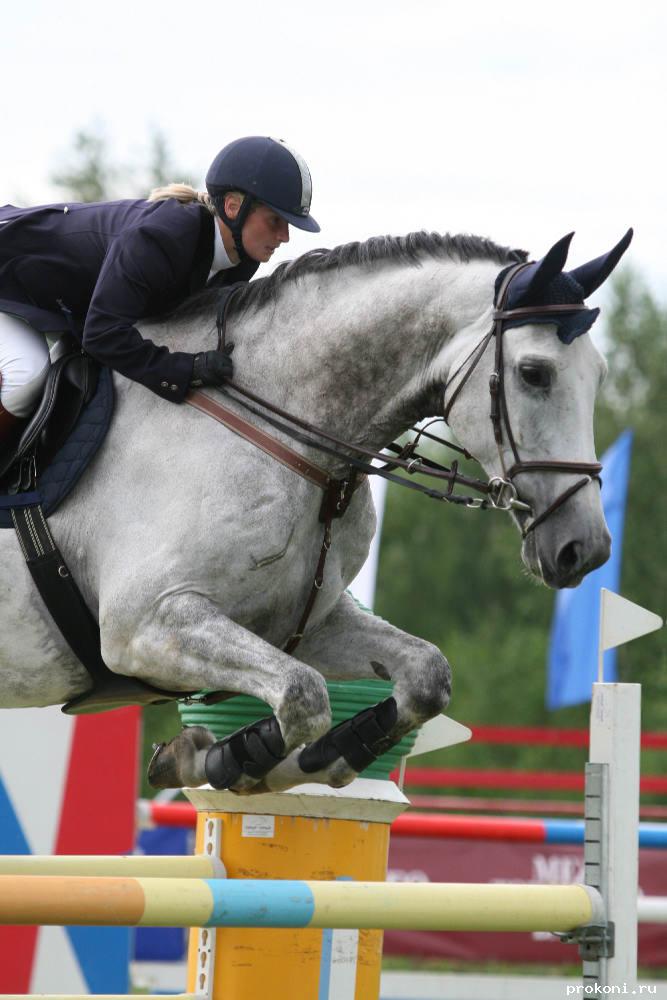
[{"x": 573, "y": 653}]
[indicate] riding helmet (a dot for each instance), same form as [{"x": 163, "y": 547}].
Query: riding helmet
[{"x": 270, "y": 172}]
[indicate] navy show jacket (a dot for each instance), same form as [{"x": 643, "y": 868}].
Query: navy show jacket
[{"x": 111, "y": 264}]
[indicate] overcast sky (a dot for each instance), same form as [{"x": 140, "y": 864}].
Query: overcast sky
[{"x": 520, "y": 121}]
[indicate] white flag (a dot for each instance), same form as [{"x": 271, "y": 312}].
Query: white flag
[
  {"x": 438, "y": 733},
  {"x": 621, "y": 620}
]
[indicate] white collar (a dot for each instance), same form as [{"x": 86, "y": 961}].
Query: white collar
[{"x": 221, "y": 261}]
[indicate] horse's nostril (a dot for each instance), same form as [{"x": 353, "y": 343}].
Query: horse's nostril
[{"x": 568, "y": 558}]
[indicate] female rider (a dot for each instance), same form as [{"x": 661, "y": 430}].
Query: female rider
[{"x": 110, "y": 264}]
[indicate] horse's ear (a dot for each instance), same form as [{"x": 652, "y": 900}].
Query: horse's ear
[
  {"x": 590, "y": 276},
  {"x": 545, "y": 271}
]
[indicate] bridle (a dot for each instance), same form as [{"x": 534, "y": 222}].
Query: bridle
[
  {"x": 497, "y": 493},
  {"x": 499, "y": 413}
]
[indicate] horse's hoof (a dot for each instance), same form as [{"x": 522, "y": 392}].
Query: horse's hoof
[{"x": 180, "y": 762}]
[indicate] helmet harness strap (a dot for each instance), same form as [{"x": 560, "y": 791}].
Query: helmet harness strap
[{"x": 236, "y": 225}]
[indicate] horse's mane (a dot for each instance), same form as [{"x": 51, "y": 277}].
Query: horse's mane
[{"x": 410, "y": 249}]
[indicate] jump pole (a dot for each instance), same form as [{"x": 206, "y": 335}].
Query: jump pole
[
  {"x": 121, "y": 866},
  {"x": 288, "y": 904}
]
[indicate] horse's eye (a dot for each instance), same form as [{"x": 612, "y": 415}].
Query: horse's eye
[{"x": 536, "y": 376}]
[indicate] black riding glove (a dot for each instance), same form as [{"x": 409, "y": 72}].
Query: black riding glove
[{"x": 212, "y": 367}]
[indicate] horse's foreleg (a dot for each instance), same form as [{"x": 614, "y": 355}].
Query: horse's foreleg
[
  {"x": 352, "y": 644},
  {"x": 186, "y": 643}
]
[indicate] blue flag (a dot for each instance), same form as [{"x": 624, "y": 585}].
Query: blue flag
[{"x": 573, "y": 654}]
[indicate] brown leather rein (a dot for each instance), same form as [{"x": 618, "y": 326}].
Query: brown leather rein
[{"x": 499, "y": 493}]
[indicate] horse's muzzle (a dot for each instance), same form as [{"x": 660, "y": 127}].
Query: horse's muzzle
[{"x": 566, "y": 564}]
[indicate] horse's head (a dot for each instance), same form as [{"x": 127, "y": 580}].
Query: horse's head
[{"x": 536, "y": 373}]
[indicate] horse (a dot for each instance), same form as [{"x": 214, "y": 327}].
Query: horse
[{"x": 194, "y": 549}]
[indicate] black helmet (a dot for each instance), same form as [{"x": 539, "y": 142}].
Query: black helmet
[{"x": 268, "y": 171}]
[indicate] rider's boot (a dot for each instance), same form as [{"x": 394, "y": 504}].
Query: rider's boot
[{"x": 8, "y": 426}]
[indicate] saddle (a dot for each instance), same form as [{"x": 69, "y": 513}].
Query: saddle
[{"x": 70, "y": 385}]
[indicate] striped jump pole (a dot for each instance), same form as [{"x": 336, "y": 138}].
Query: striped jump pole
[
  {"x": 437, "y": 826},
  {"x": 511, "y": 829},
  {"x": 284, "y": 903},
  {"x": 134, "y": 865}
]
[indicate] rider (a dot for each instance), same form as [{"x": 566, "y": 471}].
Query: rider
[{"x": 110, "y": 264}]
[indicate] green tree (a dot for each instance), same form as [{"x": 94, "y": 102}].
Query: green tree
[
  {"x": 634, "y": 396},
  {"x": 92, "y": 175}
]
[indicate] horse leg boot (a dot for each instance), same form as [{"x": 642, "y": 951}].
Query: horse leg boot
[
  {"x": 359, "y": 740},
  {"x": 372, "y": 649},
  {"x": 250, "y": 752}
]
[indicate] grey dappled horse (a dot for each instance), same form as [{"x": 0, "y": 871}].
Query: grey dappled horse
[{"x": 196, "y": 550}]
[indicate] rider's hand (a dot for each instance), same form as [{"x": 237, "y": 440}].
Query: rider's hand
[{"x": 212, "y": 367}]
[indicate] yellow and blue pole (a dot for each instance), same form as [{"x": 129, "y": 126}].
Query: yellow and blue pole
[{"x": 286, "y": 903}]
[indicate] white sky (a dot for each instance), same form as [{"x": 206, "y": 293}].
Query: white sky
[{"x": 518, "y": 120}]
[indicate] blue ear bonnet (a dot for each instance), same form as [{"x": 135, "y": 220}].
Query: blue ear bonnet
[
  {"x": 545, "y": 283},
  {"x": 561, "y": 290}
]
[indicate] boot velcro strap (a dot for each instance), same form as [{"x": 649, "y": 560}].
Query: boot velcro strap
[
  {"x": 253, "y": 751},
  {"x": 359, "y": 740}
]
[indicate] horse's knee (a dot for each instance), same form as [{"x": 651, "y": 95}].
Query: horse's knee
[
  {"x": 430, "y": 684},
  {"x": 304, "y": 712}
]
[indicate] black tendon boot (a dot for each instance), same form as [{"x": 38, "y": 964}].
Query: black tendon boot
[
  {"x": 359, "y": 740},
  {"x": 252, "y": 751}
]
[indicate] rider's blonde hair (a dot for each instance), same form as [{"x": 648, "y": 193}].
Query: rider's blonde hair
[{"x": 185, "y": 193}]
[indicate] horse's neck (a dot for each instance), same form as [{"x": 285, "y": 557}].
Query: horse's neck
[{"x": 362, "y": 354}]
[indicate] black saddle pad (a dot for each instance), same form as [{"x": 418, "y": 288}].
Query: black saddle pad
[{"x": 72, "y": 458}]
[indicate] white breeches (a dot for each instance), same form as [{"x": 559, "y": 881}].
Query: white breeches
[{"x": 24, "y": 363}]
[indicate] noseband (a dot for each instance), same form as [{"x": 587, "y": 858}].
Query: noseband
[{"x": 506, "y": 491}]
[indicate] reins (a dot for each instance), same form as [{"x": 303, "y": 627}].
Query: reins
[{"x": 359, "y": 458}]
